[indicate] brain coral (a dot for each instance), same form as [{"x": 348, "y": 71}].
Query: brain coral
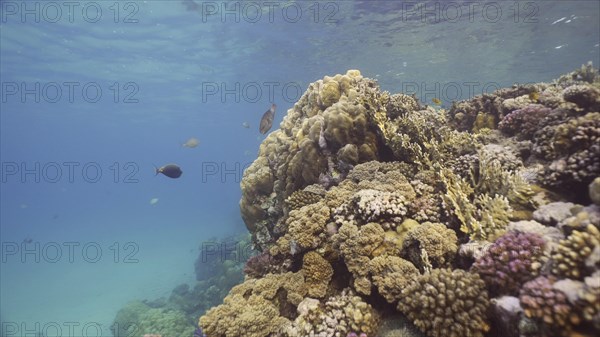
[
  {"x": 447, "y": 303},
  {"x": 513, "y": 259}
]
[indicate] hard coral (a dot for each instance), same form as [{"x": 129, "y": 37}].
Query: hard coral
[
  {"x": 513, "y": 259},
  {"x": 540, "y": 301},
  {"x": 570, "y": 256},
  {"x": 317, "y": 274},
  {"x": 390, "y": 275},
  {"x": 339, "y": 316},
  {"x": 257, "y": 307},
  {"x": 524, "y": 122},
  {"x": 447, "y": 303},
  {"x": 435, "y": 240}
]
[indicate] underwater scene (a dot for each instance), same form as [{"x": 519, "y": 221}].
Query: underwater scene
[{"x": 372, "y": 168}]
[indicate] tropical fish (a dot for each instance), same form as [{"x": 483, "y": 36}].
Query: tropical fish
[
  {"x": 246, "y": 125},
  {"x": 191, "y": 143},
  {"x": 266, "y": 122},
  {"x": 170, "y": 170},
  {"x": 534, "y": 96},
  {"x": 436, "y": 101}
]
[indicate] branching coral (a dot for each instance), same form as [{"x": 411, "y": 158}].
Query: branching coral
[
  {"x": 333, "y": 113},
  {"x": 447, "y": 303},
  {"x": 569, "y": 258},
  {"x": 305, "y": 229},
  {"x": 513, "y": 259}
]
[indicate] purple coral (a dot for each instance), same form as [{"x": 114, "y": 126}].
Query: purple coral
[
  {"x": 259, "y": 265},
  {"x": 548, "y": 305},
  {"x": 511, "y": 261},
  {"x": 525, "y": 121}
]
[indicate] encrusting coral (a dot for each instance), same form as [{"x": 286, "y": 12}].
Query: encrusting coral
[{"x": 447, "y": 303}]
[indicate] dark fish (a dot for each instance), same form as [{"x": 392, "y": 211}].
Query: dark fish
[
  {"x": 266, "y": 122},
  {"x": 170, "y": 170},
  {"x": 27, "y": 240}
]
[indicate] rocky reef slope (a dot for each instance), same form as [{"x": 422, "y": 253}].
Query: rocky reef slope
[{"x": 379, "y": 216}]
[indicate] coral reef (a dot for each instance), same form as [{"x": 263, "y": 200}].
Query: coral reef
[
  {"x": 317, "y": 274},
  {"x": 513, "y": 259},
  {"x": 447, "y": 303},
  {"x": 360, "y": 201}
]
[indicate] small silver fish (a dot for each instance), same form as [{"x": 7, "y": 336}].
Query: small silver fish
[
  {"x": 266, "y": 122},
  {"x": 170, "y": 170},
  {"x": 191, "y": 143},
  {"x": 246, "y": 125}
]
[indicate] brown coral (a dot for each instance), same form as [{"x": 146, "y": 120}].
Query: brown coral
[
  {"x": 439, "y": 243},
  {"x": 317, "y": 274},
  {"x": 390, "y": 275},
  {"x": 257, "y": 307},
  {"x": 447, "y": 303}
]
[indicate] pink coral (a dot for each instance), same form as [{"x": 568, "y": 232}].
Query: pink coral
[
  {"x": 512, "y": 260},
  {"x": 524, "y": 122}
]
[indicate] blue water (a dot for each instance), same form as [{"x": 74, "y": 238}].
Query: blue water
[{"x": 162, "y": 68}]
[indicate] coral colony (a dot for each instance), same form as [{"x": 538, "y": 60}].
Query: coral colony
[{"x": 376, "y": 215}]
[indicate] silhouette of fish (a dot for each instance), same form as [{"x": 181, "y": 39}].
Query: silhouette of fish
[
  {"x": 170, "y": 170},
  {"x": 266, "y": 122}
]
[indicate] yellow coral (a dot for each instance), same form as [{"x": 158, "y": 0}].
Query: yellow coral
[{"x": 569, "y": 258}]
